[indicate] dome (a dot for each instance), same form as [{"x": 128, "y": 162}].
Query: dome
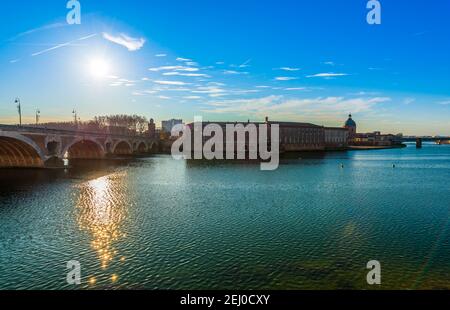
[{"x": 350, "y": 122}]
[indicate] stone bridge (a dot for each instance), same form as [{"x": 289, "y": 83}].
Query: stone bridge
[{"x": 33, "y": 147}]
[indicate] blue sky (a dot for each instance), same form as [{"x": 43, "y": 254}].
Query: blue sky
[{"x": 313, "y": 61}]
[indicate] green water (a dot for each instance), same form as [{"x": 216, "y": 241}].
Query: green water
[{"x": 156, "y": 223}]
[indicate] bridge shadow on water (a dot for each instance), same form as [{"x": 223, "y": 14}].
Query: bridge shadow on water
[{"x": 14, "y": 180}]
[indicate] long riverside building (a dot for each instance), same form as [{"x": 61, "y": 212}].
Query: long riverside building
[{"x": 295, "y": 137}]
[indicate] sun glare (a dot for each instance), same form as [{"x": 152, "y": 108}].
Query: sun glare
[{"x": 99, "y": 68}]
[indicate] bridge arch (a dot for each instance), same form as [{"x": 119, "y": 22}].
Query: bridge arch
[
  {"x": 17, "y": 150},
  {"x": 152, "y": 147},
  {"x": 122, "y": 147},
  {"x": 141, "y": 147},
  {"x": 84, "y": 148}
]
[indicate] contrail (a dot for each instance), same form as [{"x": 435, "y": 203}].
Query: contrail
[{"x": 63, "y": 45}]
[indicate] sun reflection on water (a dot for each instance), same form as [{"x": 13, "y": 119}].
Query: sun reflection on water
[{"x": 101, "y": 210}]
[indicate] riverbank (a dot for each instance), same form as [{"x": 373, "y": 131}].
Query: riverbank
[{"x": 369, "y": 147}]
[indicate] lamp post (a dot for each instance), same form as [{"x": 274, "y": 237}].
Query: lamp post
[
  {"x": 19, "y": 109},
  {"x": 75, "y": 118},
  {"x": 38, "y": 116}
]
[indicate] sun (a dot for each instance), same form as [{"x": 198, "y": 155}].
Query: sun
[{"x": 99, "y": 67}]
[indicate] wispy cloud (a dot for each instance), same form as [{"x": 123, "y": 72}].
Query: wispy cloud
[
  {"x": 278, "y": 106},
  {"x": 176, "y": 73},
  {"x": 295, "y": 88},
  {"x": 160, "y": 55},
  {"x": 132, "y": 44},
  {"x": 178, "y": 83},
  {"x": 164, "y": 97},
  {"x": 289, "y": 69},
  {"x": 329, "y": 63},
  {"x": 408, "y": 100},
  {"x": 174, "y": 68},
  {"x": 63, "y": 45},
  {"x": 245, "y": 64},
  {"x": 285, "y": 78},
  {"x": 327, "y": 75},
  {"x": 183, "y": 59},
  {"x": 233, "y": 72},
  {"x": 34, "y": 30},
  {"x": 445, "y": 102}
]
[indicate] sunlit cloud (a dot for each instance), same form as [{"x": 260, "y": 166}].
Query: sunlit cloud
[{"x": 132, "y": 44}]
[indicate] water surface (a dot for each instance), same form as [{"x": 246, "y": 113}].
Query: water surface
[{"x": 156, "y": 223}]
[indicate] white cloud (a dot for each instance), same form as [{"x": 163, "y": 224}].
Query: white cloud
[
  {"x": 285, "y": 78},
  {"x": 192, "y": 97},
  {"x": 160, "y": 55},
  {"x": 176, "y": 73},
  {"x": 278, "y": 106},
  {"x": 327, "y": 75},
  {"x": 183, "y": 59},
  {"x": 164, "y": 97},
  {"x": 233, "y": 72},
  {"x": 408, "y": 100},
  {"x": 132, "y": 44},
  {"x": 177, "y": 83},
  {"x": 295, "y": 88},
  {"x": 289, "y": 69},
  {"x": 174, "y": 68}
]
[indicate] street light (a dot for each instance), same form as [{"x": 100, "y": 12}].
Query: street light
[
  {"x": 38, "y": 116},
  {"x": 74, "y": 113},
  {"x": 19, "y": 109}
]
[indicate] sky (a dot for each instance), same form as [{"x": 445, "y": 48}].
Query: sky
[{"x": 291, "y": 60}]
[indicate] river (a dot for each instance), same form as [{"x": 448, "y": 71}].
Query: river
[{"x": 157, "y": 223}]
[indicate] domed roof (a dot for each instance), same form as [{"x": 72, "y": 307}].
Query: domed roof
[{"x": 350, "y": 122}]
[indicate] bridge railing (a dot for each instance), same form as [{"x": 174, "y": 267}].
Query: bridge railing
[{"x": 31, "y": 129}]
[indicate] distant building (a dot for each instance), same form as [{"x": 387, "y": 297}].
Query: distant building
[
  {"x": 336, "y": 138},
  {"x": 152, "y": 128},
  {"x": 296, "y": 137},
  {"x": 375, "y": 138},
  {"x": 350, "y": 125},
  {"x": 168, "y": 125}
]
